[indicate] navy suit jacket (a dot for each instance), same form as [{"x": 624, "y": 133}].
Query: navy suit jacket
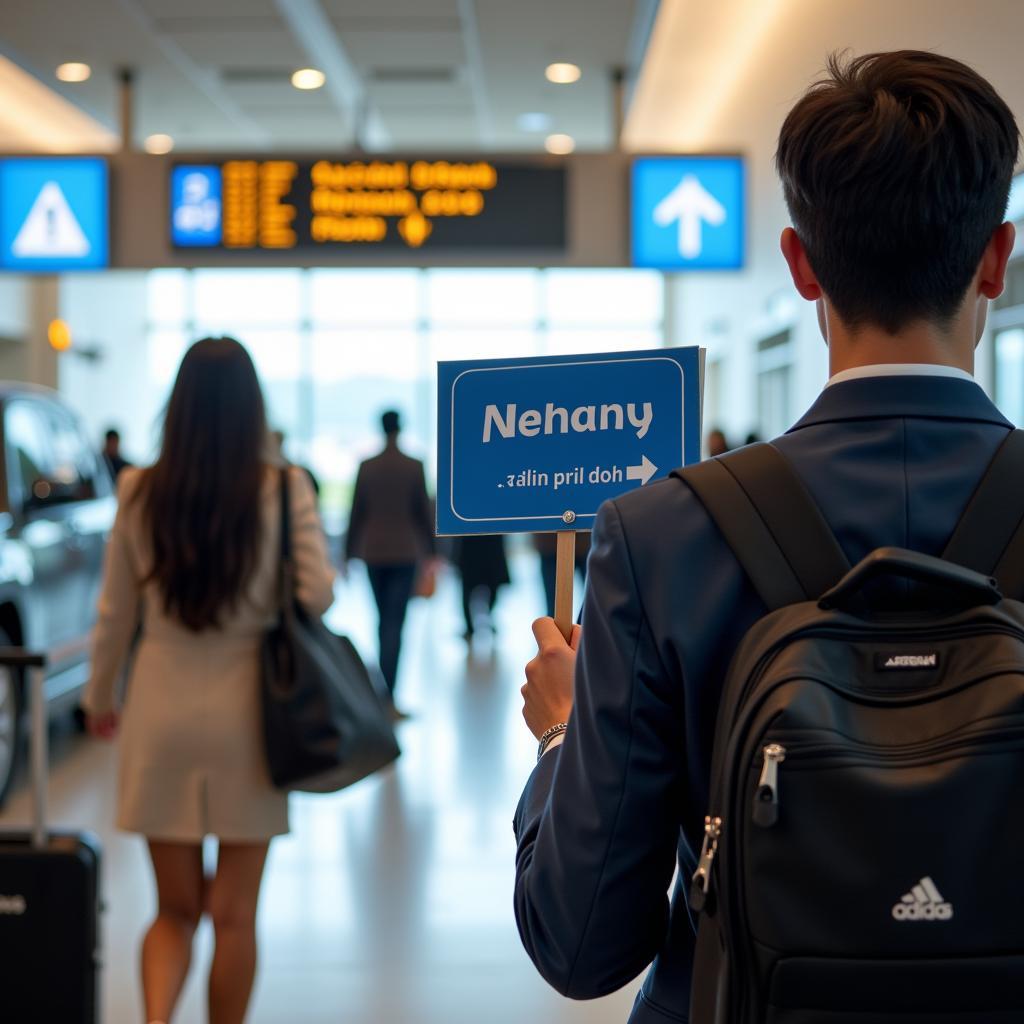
[{"x": 606, "y": 818}]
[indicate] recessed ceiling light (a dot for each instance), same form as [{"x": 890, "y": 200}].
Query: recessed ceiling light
[
  {"x": 74, "y": 72},
  {"x": 158, "y": 144},
  {"x": 559, "y": 144},
  {"x": 562, "y": 74},
  {"x": 308, "y": 78},
  {"x": 534, "y": 122}
]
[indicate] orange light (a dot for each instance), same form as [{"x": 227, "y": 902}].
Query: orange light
[{"x": 59, "y": 335}]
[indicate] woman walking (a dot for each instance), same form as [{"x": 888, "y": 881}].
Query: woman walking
[{"x": 195, "y": 551}]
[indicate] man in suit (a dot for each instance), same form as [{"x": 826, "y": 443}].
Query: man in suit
[
  {"x": 112, "y": 453},
  {"x": 896, "y": 170},
  {"x": 390, "y": 529}
]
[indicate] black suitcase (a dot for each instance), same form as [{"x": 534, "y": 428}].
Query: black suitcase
[{"x": 49, "y": 900}]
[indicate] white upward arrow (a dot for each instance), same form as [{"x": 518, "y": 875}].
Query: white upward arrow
[
  {"x": 691, "y": 204},
  {"x": 643, "y": 472}
]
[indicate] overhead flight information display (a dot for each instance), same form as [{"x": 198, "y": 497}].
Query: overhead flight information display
[{"x": 318, "y": 205}]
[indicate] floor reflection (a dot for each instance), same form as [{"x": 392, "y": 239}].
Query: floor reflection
[{"x": 389, "y": 903}]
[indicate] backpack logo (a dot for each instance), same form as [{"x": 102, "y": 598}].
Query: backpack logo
[
  {"x": 911, "y": 661},
  {"x": 12, "y": 906},
  {"x": 923, "y": 903}
]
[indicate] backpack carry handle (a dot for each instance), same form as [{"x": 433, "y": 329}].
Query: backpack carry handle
[{"x": 911, "y": 565}]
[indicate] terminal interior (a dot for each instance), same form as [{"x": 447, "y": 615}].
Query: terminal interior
[{"x": 392, "y": 901}]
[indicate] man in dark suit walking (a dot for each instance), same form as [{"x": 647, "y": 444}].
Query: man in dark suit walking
[
  {"x": 896, "y": 170},
  {"x": 390, "y": 529}
]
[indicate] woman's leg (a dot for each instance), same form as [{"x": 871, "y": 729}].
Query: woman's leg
[
  {"x": 167, "y": 948},
  {"x": 234, "y": 894}
]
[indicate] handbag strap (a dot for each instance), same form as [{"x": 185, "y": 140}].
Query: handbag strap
[
  {"x": 773, "y": 525},
  {"x": 286, "y": 568}
]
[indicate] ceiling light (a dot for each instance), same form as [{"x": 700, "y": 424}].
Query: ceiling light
[
  {"x": 158, "y": 144},
  {"x": 74, "y": 72},
  {"x": 308, "y": 78},
  {"x": 534, "y": 122},
  {"x": 560, "y": 144},
  {"x": 562, "y": 74}
]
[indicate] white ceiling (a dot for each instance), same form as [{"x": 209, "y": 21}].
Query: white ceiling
[{"x": 446, "y": 74}]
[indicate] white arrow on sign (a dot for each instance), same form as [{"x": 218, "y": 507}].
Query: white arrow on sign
[
  {"x": 643, "y": 472},
  {"x": 691, "y": 204}
]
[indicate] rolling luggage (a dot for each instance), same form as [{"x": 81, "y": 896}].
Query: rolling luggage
[{"x": 49, "y": 899}]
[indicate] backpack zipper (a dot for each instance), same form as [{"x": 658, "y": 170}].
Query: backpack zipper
[
  {"x": 766, "y": 795},
  {"x": 701, "y": 881}
]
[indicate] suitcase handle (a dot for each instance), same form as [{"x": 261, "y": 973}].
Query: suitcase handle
[
  {"x": 911, "y": 565},
  {"x": 35, "y": 663}
]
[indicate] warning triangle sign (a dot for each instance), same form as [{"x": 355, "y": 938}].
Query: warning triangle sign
[{"x": 50, "y": 229}]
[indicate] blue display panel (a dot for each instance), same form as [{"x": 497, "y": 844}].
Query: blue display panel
[
  {"x": 196, "y": 205},
  {"x": 688, "y": 212},
  {"x": 54, "y": 213},
  {"x": 538, "y": 444}
]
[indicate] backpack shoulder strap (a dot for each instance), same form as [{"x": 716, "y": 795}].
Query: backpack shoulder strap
[
  {"x": 771, "y": 522},
  {"x": 990, "y": 535}
]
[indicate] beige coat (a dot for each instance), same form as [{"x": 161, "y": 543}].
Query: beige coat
[{"x": 192, "y": 760}]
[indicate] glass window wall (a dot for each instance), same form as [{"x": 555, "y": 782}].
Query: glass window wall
[{"x": 336, "y": 347}]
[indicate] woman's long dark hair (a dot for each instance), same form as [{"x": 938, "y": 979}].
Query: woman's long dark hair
[{"x": 201, "y": 500}]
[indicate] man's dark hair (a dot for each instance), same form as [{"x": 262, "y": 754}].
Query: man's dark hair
[
  {"x": 391, "y": 422},
  {"x": 112, "y": 435},
  {"x": 896, "y": 168}
]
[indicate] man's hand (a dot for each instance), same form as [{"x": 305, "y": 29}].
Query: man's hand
[
  {"x": 103, "y": 727},
  {"x": 547, "y": 695}
]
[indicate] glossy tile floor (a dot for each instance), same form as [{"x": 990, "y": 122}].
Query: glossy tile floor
[{"x": 390, "y": 903}]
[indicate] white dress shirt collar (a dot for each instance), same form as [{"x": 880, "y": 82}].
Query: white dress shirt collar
[{"x": 899, "y": 370}]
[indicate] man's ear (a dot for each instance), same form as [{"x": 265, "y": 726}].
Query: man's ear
[
  {"x": 992, "y": 270},
  {"x": 803, "y": 277}
]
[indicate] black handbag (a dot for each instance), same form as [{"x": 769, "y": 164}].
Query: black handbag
[{"x": 325, "y": 725}]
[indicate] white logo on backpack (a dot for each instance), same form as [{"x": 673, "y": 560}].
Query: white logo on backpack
[
  {"x": 12, "y": 906},
  {"x": 923, "y": 903}
]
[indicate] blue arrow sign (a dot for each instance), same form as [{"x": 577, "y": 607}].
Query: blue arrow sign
[
  {"x": 688, "y": 212},
  {"x": 534, "y": 445}
]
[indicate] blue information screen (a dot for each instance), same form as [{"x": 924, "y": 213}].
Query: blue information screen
[
  {"x": 688, "y": 212},
  {"x": 196, "y": 205},
  {"x": 54, "y": 213},
  {"x": 538, "y": 444}
]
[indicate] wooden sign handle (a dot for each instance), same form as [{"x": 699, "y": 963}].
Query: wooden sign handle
[{"x": 565, "y": 574}]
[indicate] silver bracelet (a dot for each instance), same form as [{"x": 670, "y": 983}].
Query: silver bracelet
[{"x": 548, "y": 736}]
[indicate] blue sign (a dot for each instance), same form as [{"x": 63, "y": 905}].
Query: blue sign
[
  {"x": 530, "y": 445},
  {"x": 54, "y": 213},
  {"x": 688, "y": 212},
  {"x": 196, "y": 211}
]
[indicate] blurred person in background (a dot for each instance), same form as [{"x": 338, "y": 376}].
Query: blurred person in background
[
  {"x": 391, "y": 529},
  {"x": 547, "y": 547},
  {"x": 196, "y": 550},
  {"x": 112, "y": 453},
  {"x": 717, "y": 442},
  {"x": 483, "y": 567}
]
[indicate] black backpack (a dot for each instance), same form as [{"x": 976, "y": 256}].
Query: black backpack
[{"x": 863, "y": 861}]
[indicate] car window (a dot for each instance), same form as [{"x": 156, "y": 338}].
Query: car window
[
  {"x": 75, "y": 467},
  {"x": 30, "y": 458},
  {"x": 48, "y": 457}
]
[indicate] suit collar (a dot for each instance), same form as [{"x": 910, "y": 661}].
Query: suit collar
[{"x": 942, "y": 398}]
